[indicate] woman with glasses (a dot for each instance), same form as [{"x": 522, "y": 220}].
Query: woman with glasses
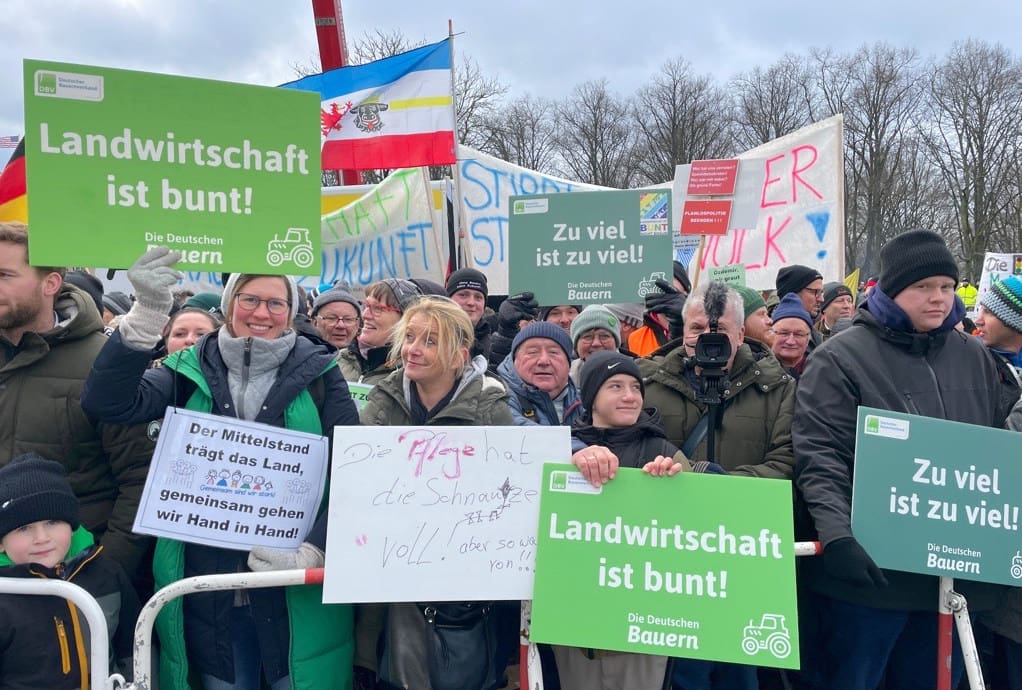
[
  {"x": 439, "y": 383},
  {"x": 253, "y": 368},
  {"x": 338, "y": 316},
  {"x": 593, "y": 330},
  {"x": 367, "y": 358}
]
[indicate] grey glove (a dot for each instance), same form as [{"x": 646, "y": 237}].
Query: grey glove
[
  {"x": 152, "y": 276},
  {"x": 261, "y": 558}
]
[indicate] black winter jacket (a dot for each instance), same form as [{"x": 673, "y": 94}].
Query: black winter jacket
[
  {"x": 121, "y": 388},
  {"x": 945, "y": 375},
  {"x": 42, "y": 643},
  {"x": 633, "y": 445}
]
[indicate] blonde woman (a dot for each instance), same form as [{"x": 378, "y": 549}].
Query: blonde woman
[{"x": 438, "y": 384}]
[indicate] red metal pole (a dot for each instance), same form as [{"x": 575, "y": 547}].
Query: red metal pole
[
  {"x": 333, "y": 52},
  {"x": 944, "y": 635}
]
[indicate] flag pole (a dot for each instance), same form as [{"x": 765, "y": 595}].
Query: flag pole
[{"x": 456, "y": 168}]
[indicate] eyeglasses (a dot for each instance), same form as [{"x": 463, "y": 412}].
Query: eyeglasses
[
  {"x": 274, "y": 305},
  {"x": 378, "y": 308},
  {"x": 815, "y": 293},
  {"x": 331, "y": 321},
  {"x": 797, "y": 335},
  {"x": 602, "y": 336}
]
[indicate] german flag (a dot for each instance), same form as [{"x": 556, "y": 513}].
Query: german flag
[{"x": 13, "y": 197}]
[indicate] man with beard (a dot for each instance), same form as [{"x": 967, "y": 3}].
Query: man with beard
[{"x": 50, "y": 332}]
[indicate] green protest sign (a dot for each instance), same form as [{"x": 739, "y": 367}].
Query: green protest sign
[
  {"x": 117, "y": 161},
  {"x": 732, "y": 274},
  {"x": 694, "y": 565},
  {"x": 359, "y": 393},
  {"x": 937, "y": 497},
  {"x": 589, "y": 247}
]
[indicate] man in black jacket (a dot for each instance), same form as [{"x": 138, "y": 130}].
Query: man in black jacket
[{"x": 902, "y": 353}]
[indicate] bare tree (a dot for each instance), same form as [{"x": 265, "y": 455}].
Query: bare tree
[
  {"x": 595, "y": 136},
  {"x": 522, "y": 132},
  {"x": 773, "y": 102},
  {"x": 973, "y": 133},
  {"x": 476, "y": 96},
  {"x": 876, "y": 90},
  {"x": 680, "y": 117}
]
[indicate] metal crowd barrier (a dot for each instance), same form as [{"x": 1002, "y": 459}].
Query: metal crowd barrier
[{"x": 952, "y": 608}]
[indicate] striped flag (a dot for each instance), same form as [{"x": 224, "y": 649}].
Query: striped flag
[
  {"x": 393, "y": 113},
  {"x": 9, "y": 142},
  {"x": 13, "y": 200}
]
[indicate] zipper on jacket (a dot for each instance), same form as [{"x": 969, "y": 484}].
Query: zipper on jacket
[
  {"x": 65, "y": 651},
  {"x": 246, "y": 362},
  {"x": 79, "y": 640}
]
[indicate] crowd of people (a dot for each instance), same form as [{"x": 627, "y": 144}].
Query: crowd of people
[{"x": 85, "y": 378}]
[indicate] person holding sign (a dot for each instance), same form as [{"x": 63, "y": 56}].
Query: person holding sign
[
  {"x": 438, "y": 384},
  {"x": 901, "y": 353},
  {"x": 255, "y": 368},
  {"x": 367, "y": 358}
]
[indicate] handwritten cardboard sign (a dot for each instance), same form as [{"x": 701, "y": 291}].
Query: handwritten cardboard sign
[
  {"x": 436, "y": 513},
  {"x": 225, "y": 482}
]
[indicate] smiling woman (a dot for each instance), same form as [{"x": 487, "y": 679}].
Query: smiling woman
[
  {"x": 438, "y": 384},
  {"x": 257, "y": 369}
]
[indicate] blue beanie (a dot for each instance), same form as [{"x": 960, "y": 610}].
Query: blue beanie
[
  {"x": 790, "y": 307},
  {"x": 543, "y": 329}
]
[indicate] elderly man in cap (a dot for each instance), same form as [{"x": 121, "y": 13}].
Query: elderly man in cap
[
  {"x": 807, "y": 283},
  {"x": 536, "y": 375},
  {"x": 338, "y": 316},
  {"x": 902, "y": 353},
  {"x": 791, "y": 331},
  {"x": 838, "y": 303}
]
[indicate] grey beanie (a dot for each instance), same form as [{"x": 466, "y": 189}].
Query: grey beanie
[{"x": 335, "y": 295}]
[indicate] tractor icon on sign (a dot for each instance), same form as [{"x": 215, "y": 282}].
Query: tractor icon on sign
[
  {"x": 771, "y": 634},
  {"x": 295, "y": 247}
]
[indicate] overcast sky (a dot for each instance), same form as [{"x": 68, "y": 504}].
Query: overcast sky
[{"x": 540, "y": 46}]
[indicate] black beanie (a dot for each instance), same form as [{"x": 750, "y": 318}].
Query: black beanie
[
  {"x": 90, "y": 284},
  {"x": 913, "y": 256},
  {"x": 795, "y": 278},
  {"x": 831, "y": 291},
  {"x": 467, "y": 279},
  {"x": 33, "y": 489},
  {"x": 599, "y": 367},
  {"x": 681, "y": 275}
]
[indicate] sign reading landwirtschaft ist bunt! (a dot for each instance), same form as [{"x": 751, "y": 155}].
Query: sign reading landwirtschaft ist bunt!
[
  {"x": 119, "y": 161},
  {"x": 925, "y": 501},
  {"x": 225, "y": 482},
  {"x": 590, "y": 247},
  {"x": 694, "y": 565}
]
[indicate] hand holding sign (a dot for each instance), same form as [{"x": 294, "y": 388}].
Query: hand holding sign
[{"x": 153, "y": 276}]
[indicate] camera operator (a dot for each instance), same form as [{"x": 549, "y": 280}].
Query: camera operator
[{"x": 752, "y": 435}]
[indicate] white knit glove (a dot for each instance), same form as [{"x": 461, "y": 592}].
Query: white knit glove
[
  {"x": 261, "y": 558},
  {"x": 153, "y": 276}
]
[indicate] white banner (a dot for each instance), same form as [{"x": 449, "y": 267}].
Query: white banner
[
  {"x": 486, "y": 185},
  {"x": 436, "y": 513},
  {"x": 788, "y": 207},
  {"x": 997, "y": 267},
  {"x": 225, "y": 482},
  {"x": 388, "y": 233}
]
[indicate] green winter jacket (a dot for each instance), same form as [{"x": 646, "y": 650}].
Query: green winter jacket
[
  {"x": 481, "y": 400},
  {"x": 754, "y": 438},
  {"x": 321, "y": 644},
  {"x": 41, "y": 383}
]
